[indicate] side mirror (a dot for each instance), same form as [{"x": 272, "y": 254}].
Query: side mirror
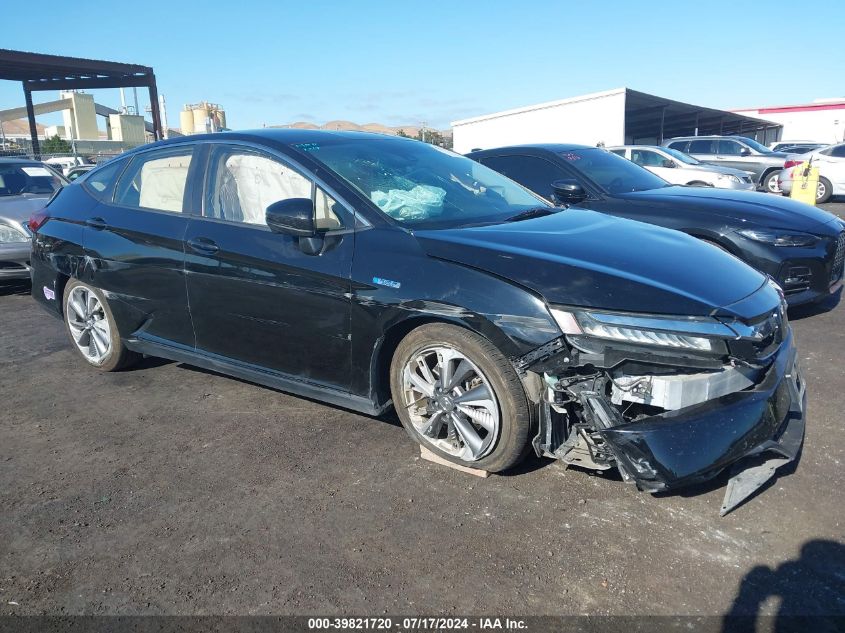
[
  {"x": 294, "y": 216},
  {"x": 669, "y": 163},
  {"x": 745, "y": 152},
  {"x": 568, "y": 192}
]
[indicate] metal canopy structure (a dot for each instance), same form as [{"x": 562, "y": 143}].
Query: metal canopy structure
[
  {"x": 53, "y": 72},
  {"x": 651, "y": 117}
]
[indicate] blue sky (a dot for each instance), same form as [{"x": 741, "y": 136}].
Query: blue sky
[{"x": 397, "y": 63}]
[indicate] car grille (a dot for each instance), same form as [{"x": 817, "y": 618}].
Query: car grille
[
  {"x": 746, "y": 179},
  {"x": 836, "y": 270}
]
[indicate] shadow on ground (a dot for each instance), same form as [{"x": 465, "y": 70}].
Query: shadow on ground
[{"x": 810, "y": 590}]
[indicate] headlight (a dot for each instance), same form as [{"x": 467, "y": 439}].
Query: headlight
[
  {"x": 776, "y": 238},
  {"x": 9, "y": 234},
  {"x": 728, "y": 177},
  {"x": 700, "y": 334}
]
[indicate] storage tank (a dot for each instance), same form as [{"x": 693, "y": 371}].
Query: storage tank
[
  {"x": 186, "y": 121},
  {"x": 221, "y": 117},
  {"x": 200, "y": 119}
]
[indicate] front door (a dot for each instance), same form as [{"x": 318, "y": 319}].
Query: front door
[{"x": 262, "y": 298}]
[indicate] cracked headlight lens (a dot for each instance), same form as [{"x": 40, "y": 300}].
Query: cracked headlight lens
[
  {"x": 9, "y": 234},
  {"x": 777, "y": 238},
  {"x": 691, "y": 333}
]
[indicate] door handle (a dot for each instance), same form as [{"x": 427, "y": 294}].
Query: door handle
[
  {"x": 96, "y": 223},
  {"x": 203, "y": 245}
]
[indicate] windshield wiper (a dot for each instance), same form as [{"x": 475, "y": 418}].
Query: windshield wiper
[{"x": 536, "y": 212}]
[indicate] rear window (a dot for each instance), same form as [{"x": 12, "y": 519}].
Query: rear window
[
  {"x": 156, "y": 180},
  {"x": 19, "y": 178},
  {"x": 702, "y": 146},
  {"x": 100, "y": 181}
]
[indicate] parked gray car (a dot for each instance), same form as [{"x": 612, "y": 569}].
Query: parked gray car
[
  {"x": 25, "y": 187},
  {"x": 738, "y": 152}
]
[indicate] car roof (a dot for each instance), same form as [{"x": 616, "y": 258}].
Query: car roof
[
  {"x": 280, "y": 136},
  {"x": 657, "y": 147},
  {"x": 5, "y": 160},
  {"x": 692, "y": 138},
  {"x": 548, "y": 147}
]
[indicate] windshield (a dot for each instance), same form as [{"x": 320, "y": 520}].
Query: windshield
[
  {"x": 20, "y": 178},
  {"x": 421, "y": 185},
  {"x": 684, "y": 158},
  {"x": 610, "y": 172},
  {"x": 755, "y": 145}
]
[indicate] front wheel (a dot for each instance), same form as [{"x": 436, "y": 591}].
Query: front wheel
[
  {"x": 92, "y": 329},
  {"x": 459, "y": 397}
]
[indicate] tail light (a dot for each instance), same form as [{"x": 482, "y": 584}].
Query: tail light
[
  {"x": 792, "y": 163},
  {"x": 37, "y": 220}
]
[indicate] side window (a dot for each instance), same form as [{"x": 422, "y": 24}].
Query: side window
[
  {"x": 681, "y": 146},
  {"x": 729, "y": 148},
  {"x": 156, "y": 180},
  {"x": 703, "y": 146},
  {"x": 619, "y": 152},
  {"x": 243, "y": 183},
  {"x": 536, "y": 174},
  {"x": 646, "y": 158},
  {"x": 100, "y": 180},
  {"x": 838, "y": 151}
]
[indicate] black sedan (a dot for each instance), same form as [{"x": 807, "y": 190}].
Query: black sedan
[
  {"x": 801, "y": 247},
  {"x": 370, "y": 272}
]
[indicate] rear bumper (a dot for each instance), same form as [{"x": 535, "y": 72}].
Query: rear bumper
[
  {"x": 14, "y": 261},
  {"x": 694, "y": 444}
]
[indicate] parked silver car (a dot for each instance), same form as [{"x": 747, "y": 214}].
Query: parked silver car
[
  {"x": 738, "y": 152},
  {"x": 682, "y": 169},
  {"x": 830, "y": 161},
  {"x": 25, "y": 187}
]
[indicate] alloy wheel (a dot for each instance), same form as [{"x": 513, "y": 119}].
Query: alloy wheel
[
  {"x": 821, "y": 190},
  {"x": 451, "y": 403},
  {"x": 88, "y": 324}
]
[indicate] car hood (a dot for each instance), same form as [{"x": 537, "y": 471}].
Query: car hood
[
  {"x": 18, "y": 209},
  {"x": 583, "y": 258},
  {"x": 744, "y": 208}
]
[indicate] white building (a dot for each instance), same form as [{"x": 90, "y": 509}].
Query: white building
[
  {"x": 822, "y": 120},
  {"x": 613, "y": 117}
]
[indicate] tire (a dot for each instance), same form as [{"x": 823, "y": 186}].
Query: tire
[
  {"x": 92, "y": 329},
  {"x": 770, "y": 182},
  {"x": 825, "y": 189},
  {"x": 502, "y": 440}
]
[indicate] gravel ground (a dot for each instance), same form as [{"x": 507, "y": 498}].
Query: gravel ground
[{"x": 170, "y": 490}]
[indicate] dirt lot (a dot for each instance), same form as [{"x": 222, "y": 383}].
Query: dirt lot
[{"x": 166, "y": 489}]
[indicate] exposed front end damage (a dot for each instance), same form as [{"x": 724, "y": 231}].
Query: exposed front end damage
[{"x": 669, "y": 418}]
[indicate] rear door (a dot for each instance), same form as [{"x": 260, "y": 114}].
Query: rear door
[
  {"x": 703, "y": 149},
  {"x": 831, "y": 164},
  {"x": 729, "y": 154},
  {"x": 133, "y": 242},
  {"x": 259, "y": 297}
]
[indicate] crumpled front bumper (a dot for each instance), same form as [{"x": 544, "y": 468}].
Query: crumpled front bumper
[{"x": 694, "y": 444}]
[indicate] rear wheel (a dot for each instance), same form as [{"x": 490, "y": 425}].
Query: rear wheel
[
  {"x": 824, "y": 191},
  {"x": 92, "y": 329},
  {"x": 459, "y": 397},
  {"x": 770, "y": 182}
]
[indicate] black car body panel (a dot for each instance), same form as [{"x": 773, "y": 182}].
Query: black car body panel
[
  {"x": 807, "y": 273},
  {"x": 321, "y": 316}
]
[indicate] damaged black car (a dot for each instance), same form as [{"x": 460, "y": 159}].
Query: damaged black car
[{"x": 373, "y": 272}]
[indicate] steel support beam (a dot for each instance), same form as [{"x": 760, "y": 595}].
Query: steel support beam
[
  {"x": 30, "y": 115},
  {"x": 154, "y": 109}
]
